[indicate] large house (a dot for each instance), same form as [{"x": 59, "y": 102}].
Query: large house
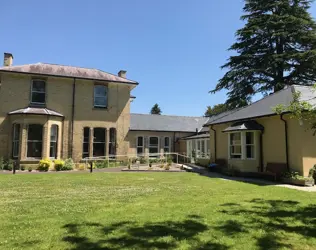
[{"x": 56, "y": 111}]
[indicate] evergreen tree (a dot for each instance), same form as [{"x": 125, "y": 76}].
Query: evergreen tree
[
  {"x": 275, "y": 48},
  {"x": 155, "y": 110},
  {"x": 215, "y": 110}
]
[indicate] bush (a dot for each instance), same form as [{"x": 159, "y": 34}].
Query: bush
[
  {"x": 1, "y": 163},
  {"x": 69, "y": 164},
  {"x": 312, "y": 172},
  {"x": 161, "y": 166},
  {"x": 44, "y": 165},
  {"x": 295, "y": 176},
  {"x": 8, "y": 165},
  {"x": 169, "y": 161},
  {"x": 150, "y": 164},
  {"x": 22, "y": 167},
  {"x": 59, "y": 165},
  {"x": 101, "y": 164},
  {"x": 143, "y": 160},
  {"x": 30, "y": 169},
  {"x": 167, "y": 167}
]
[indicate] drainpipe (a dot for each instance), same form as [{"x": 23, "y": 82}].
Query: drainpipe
[
  {"x": 286, "y": 141},
  {"x": 72, "y": 117},
  {"x": 214, "y": 143}
]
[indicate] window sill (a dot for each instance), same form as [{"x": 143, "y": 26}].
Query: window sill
[
  {"x": 37, "y": 105},
  {"x": 100, "y": 108}
]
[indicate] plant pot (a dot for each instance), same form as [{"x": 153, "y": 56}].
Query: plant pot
[{"x": 307, "y": 183}]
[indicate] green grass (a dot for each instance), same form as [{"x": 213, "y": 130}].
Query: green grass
[{"x": 151, "y": 211}]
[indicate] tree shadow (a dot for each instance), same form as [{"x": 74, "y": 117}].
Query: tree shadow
[
  {"x": 131, "y": 235},
  {"x": 279, "y": 219}
]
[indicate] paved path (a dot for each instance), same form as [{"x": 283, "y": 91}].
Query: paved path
[{"x": 205, "y": 172}]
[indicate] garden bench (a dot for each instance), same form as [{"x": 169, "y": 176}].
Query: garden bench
[{"x": 274, "y": 169}]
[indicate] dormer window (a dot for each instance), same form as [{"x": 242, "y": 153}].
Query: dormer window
[
  {"x": 100, "y": 96},
  {"x": 38, "y": 94}
]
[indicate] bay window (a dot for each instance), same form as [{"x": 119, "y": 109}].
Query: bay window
[
  {"x": 112, "y": 142},
  {"x": 34, "y": 140},
  {"x": 53, "y": 141},
  {"x": 16, "y": 141},
  {"x": 86, "y": 142},
  {"x": 242, "y": 145}
]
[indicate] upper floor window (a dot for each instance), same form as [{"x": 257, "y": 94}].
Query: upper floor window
[
  {"x": 38, "y": 94},
  {"x": 100, "y": 96}
]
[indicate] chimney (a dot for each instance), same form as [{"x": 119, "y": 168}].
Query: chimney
[
  {"x": 122, "y": 73},
  {"x": 7, "y": 59}
]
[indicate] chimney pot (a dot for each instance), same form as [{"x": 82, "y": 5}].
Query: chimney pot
[
  {"x": 7, "y": 59},
  {"x": 122, "y": 73}
]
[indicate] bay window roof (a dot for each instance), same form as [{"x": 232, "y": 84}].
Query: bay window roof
[{"x": 244, "y": 126}]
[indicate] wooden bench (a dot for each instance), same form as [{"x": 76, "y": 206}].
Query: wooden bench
[{"x": 275, "y": 169}]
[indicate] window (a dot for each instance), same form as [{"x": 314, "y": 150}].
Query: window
[
  {"x": 38, "y": 92},
  {"x": 250, "y": 145},
  {"x": 140, "y": 145},
  {"x": 53, "y": 141},
  {"x": 34, "y": 140},
  {"x": 16, "y": 140},
  {"x": 242, "y": 145},
  {"x": 235, "y": 145},
  {"x": 153, "y": 145},
  {"x": 112, "y": 142},
  {"x": 86, "y": 142},
  {"x": 99, "y": 142},
  {"x": 100, "y": 96},
  {"x": 167, "y": 145}
]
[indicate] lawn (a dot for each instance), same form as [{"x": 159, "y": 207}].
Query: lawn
[{"x": 151, "y": 211}]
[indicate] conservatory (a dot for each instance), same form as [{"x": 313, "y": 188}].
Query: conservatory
[{"x": 198, "y": 146}]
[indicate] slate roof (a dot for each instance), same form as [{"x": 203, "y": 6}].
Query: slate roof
[
  {"x": 147, "y": 122},
  {"x": 244, "y": 125},
  {"x": 199, "y": 136},
  {"x": 66, "y": 71},
  {"x": 35, "y": 111},
  {"x": 264, "y": 107}
]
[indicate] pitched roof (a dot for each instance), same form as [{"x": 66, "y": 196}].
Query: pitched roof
[
  {"x": 66, "y": 71},
  {"x": 147, "y": 122},
  {"x": 35, "y": 111},
  {"x": 199, "y": 136},
  {"x": 264, "y": 107}
]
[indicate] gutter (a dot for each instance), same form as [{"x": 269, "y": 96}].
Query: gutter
[
  {"x": 72, "y": 117},
  {"x": 215, "y": 156},
  {"x": 286, "y": 140}
]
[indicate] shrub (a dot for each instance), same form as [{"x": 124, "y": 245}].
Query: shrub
[
  {"x": 8, "y": 165},
  {"x": 59, "y": 165},
  {"x": 150, "y": 164},
  {"x": 161, "y": 166},
  {"x": 101, "y": 164},
  {"x": 169, "y": 162},
  {"x": 69, "y": 164},
  {"x": 44, "y": 165},
  {"x": 167, "y": 167},
  {"x": 30, "y": 169},
  {"x": 295, "y": 176},
  {"x": 312, "y": 172},
  {"x": 22, "y": 167},
  {"x": 143, "y": 160},
  {"x": 1, "y": 163}
]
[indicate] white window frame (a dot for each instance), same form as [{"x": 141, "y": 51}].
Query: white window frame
[
  {"x": 54, "y": 141},
  {"x": 169, "y": 146},
  {"x": 41, "y": 92},
  {"x": 243, "y": 145},
  {"x": 142, "y": 147},
  {"x": 27, "y": 141},
  {"x": 98, "y": 96},
  {"x": 150, "y": 146}
]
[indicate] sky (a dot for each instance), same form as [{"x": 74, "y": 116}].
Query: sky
[{"x": 173, "y": 48}]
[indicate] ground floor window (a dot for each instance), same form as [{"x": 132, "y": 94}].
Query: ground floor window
[
  {"x": 99, "y": 142},
  {"x": 167, "y": 145},
  {"x": 112, "y": 142},
  {"x": 199, "y": 148},
  {"x": 153, "y": 145},
  {"x": 86, "y": 142},
  {"x": 242, "y": 145},
  {"x": 140, "y": 145},
  {"x": 53, "y": 141},
  {"x": 16, "y": 140},
  {"x": 34, "y": 140}
]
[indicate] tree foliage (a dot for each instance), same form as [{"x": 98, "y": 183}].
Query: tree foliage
[
  {"x": 216, "y": 109},
  {"x": 155, "y": 110},
  {"x": 275, "y": 48},
  {"x": 299, "y": 110}
]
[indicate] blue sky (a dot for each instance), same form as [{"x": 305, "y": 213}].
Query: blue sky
[{"x": 173, "y": 48}]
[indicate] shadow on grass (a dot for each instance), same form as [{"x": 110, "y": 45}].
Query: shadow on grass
[
  {"x": 131, "y": 235},
  {"x": 278, "y": 219}
]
